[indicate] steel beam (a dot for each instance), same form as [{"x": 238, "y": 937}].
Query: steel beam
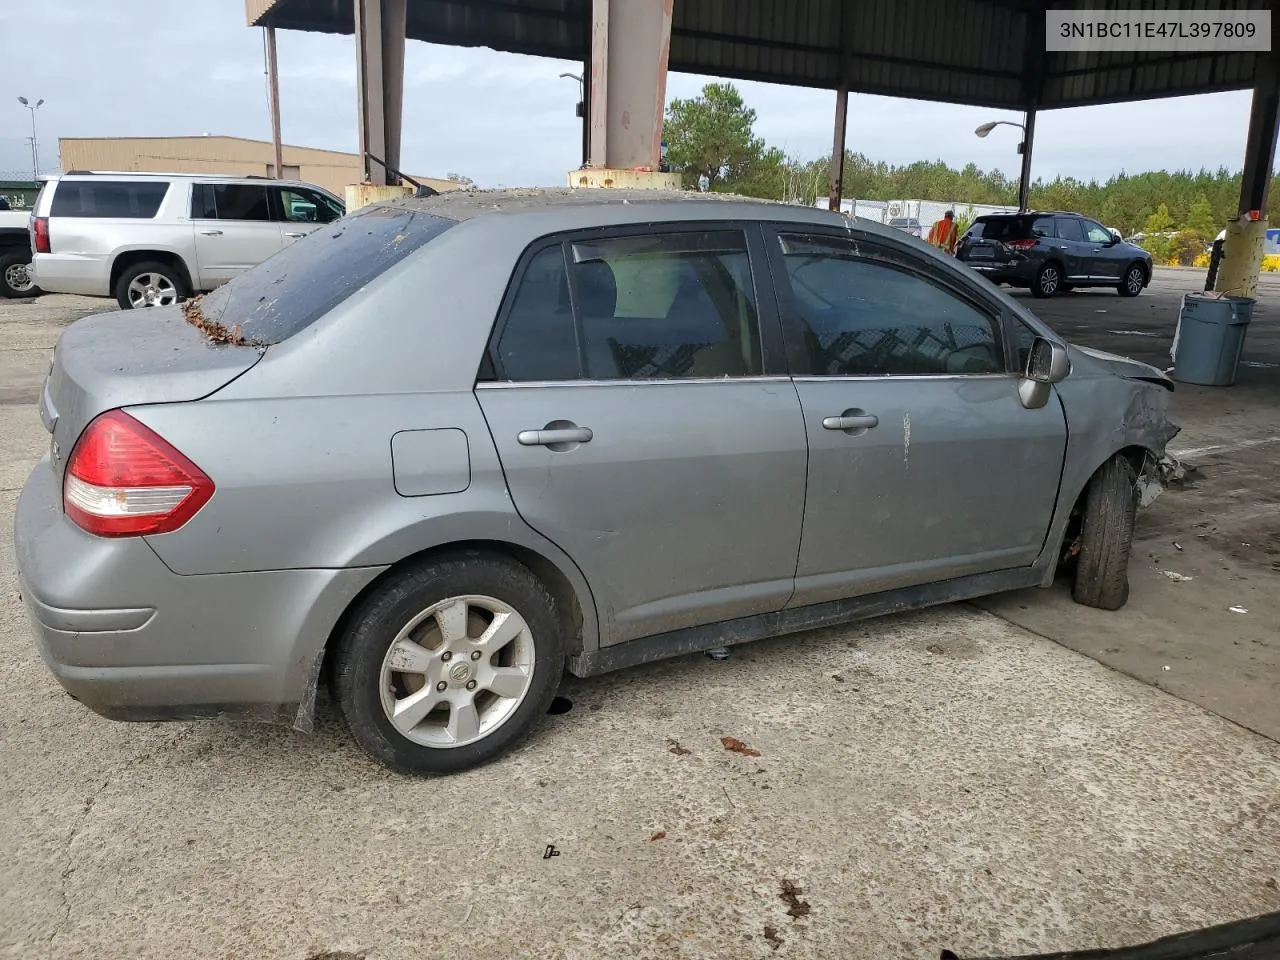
[
  {"x": 380, "y": 37},
  {"x": 835, "y": 188},
  {"x": 1260, "y": 147},
  {"x": 1028, "y": 140},
  {"x": 627, "y": 85}
]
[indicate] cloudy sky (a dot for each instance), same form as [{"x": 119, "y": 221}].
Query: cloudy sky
[{"x": 139, "y": 68}]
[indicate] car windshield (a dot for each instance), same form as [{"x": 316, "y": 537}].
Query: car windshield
[{"x": 291, "y": 290}]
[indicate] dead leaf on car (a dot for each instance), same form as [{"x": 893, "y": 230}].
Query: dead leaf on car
[
  {"x": 658, "y": 836},
  {"x": 673, "y": 746},
  {"x": 737, "y": 746},
  {"x": 771, "y": 935}
]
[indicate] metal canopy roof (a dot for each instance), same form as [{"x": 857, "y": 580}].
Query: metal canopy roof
[{"x": 980, "y": 52}]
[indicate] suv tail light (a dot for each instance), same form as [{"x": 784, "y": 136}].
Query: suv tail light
[
  {"x": 40, "y": 231},
  {"x": 1024, "y": 244},
  {"x": 124, "y": 480}
]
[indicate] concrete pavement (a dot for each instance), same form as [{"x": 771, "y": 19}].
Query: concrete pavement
[{"x": 943, "y": 779}]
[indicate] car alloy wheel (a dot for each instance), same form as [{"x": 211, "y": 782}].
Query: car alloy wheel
[
  {"x": 457, "y": 671},
  {"x": 18, "y": 277},
  {"x": 1133, "y": 280},
  {"x": 152, "y": 290},
  {"x": 1049, "y": 280}
]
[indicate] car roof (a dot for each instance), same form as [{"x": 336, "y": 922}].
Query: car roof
[
  {"x": 88, "y": 175},
  {"x": 586, "y": 207}
]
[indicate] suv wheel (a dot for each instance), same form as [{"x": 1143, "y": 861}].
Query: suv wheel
[
  {"x": 449, "y": 664},
  {"x": 1131, "y": 285},
  {"x": 15, "y": 277},
  {"x": 149, "y": 285},
  {"x": 1106, "y": 537},
  {"x": 1048, "y": 280}
]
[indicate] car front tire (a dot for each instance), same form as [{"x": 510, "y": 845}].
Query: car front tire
[
  {"x": 1106, "y": 536},
  {"x": 448, "y": 664},
  {"x": 1134, "y": 279},
  {"x": 1048, "y": 281}
]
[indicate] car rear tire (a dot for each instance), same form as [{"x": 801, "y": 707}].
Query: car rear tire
[
  {"x": 15, "y": 280},
  {"x": 1048, "y": 280},
  {"x": 1133, "y": 281},
  {"x": 149, "y": 284},
  {"x": 1106, "y": 537},
  {"x": 448, "y": 664}
]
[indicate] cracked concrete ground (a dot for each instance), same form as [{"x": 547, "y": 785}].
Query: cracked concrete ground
[{"x": 941, "y": 779}]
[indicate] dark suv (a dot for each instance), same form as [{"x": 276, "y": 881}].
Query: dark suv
[{"x": 1053, "y": 252}]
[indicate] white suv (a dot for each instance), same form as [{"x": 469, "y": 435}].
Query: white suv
[{"x": 150, "y": 239}]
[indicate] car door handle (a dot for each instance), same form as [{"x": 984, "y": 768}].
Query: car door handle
[
  {"x": 549, "y": 436},
  {"x": 211, "y": 233},
  {"x": 859, "y": 422},
  {"x": 295, "y": 235}
]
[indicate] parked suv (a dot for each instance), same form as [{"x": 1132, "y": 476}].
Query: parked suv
[
  {"x": 1053, "y": 252},
  {"x": 151, "y": 239},
  {"x": 445, "y": 449}
]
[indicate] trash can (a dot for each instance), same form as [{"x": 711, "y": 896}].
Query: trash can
[{"x": 1209, "y": 339}]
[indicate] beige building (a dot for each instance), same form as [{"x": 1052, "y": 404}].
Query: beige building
[{"x": 233, "y": 156}]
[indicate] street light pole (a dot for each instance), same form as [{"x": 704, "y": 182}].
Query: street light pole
[
  {"x": 1024, "y": 150},
  {"x": 35, "y": 144},
  {"x": 581, "y": 110}
]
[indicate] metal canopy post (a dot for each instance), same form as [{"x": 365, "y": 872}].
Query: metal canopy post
[
  {"x": 273, "y": 86},
  {"x": 1243, "y": 250},
  {"x": 835, "y": 189},
  {"x": 1028, "y": 138},
  {"x": 380, "y": 37}
]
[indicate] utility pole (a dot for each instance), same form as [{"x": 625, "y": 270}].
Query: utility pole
[{"x": 273, "y": 97}]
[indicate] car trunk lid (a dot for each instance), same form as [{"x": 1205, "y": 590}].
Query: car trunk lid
[{"x": 132, "y": 357}]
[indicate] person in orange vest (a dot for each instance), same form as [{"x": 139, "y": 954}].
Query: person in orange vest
[{"x": 943, "y": 233}]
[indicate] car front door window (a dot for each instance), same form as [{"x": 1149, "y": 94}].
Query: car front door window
[
  {"x": 629, "y": 369},
  {"x": 923, "y": 463}
]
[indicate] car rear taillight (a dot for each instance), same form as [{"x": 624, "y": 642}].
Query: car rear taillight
[
  {"x": 124, "y": 480},
  {"x": 1023, "y": 244},
  {"x": 40, "y": 231}
]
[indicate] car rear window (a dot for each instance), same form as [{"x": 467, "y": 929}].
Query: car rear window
[
  {"x": 121, "y": 199},
  {"x": 292, "y": 289},
  {"x": 996, "y": 228}
]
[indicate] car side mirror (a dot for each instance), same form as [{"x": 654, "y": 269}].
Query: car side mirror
[{"x": 1048, "y": 363}]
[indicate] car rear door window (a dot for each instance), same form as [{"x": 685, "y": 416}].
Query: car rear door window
[
  {"x": 1042, "y": 227},
  {"x": 862, "y": 316},
  {"x": 118, "y": 199},
  {"x": 658, "y": 306},
  {"x": 1069, "y": 229},
  {"x": 239, "y": 201},
  {"x": 538, "y": 341}
]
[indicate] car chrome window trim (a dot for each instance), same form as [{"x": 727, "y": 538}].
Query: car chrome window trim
[{"x": 670, "y": 381}]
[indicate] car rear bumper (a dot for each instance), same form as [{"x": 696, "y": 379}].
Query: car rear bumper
[
  {"x": 1016, "y": 272},
  {"x": 71, "y": 273},
  {"x": 132, "y": 640}
]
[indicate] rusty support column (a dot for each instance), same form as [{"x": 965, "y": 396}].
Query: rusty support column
[
  {"x": 273, "y": 96},
  {"x": 627, "y": 83},
  {"x": 379, "y": 37},
  {"x": 835, "y": 189}
]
